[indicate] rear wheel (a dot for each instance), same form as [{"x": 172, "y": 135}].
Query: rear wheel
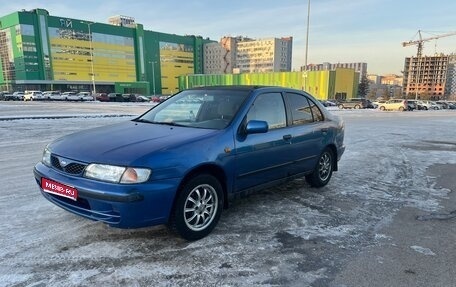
[
  {"x": 357, "y": 107},
  {"x": 382, "y": 108},
  {"x": 198, "y": 207},
  {"x": 323, "y": 170},
  {"x": 341, "y": 106},
  {"x": 401, "y": 109}
]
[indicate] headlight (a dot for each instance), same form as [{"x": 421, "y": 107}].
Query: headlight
[
  {"x": 112, "y": 173},
  {"x": 46, "y": 157}
]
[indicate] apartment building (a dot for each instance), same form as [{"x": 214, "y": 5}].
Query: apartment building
[
  {"x": 392, "y": 80},
  {"x": 450, "y": 88},
  {"x": 247, "y": 55},
  {"x": 426, "y": 76}
]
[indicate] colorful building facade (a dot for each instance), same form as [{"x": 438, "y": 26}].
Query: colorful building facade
[
  {"x": 338, "y": 84},
  {"x": 43, "y": 52}
]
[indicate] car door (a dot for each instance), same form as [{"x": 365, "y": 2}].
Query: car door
[
  {"x": 307, "y": 130},
  {"x": 261, "y": 158}
]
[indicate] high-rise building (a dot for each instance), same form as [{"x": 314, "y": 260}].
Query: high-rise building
[
  {"x": 375, "y": 79},
  {"x": 450, "y": 88},
  {"x": 43, "y": 52},
  {"x": 246, "y": 55},
  {"x": 425, "y": 76}
]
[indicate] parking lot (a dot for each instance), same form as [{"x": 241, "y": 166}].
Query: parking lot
[{"x": 387, "y": 217}]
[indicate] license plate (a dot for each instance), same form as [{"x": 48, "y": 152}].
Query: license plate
[{"x": 54, "y": 187}]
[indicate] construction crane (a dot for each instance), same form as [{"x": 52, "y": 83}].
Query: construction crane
[
  {"x": 420, "y": 41},
  {"x": 416, "y": 73}
]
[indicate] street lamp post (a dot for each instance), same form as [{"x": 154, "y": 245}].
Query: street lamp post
[
  {"x": 91, "y": 59},
  {"x": 7, "y": 78},
  {"x": 307, "y": 33},
  {"x": 307, "y": 46},
  {"x": 153, "y": 74}
]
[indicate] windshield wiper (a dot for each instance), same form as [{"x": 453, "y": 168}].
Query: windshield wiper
[
  {"x": 143, "y": 121},
  {"x": 159, "y": 123},
  {"x": 168, "y": 124}
]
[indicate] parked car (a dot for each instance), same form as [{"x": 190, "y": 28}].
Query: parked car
[
  {"x": 355, "y": 103},
  {"x": 451, "y": 106},
  {"x": 11, "y": 97},
  {"x": 2, "y": 95},
  {"x": 429, "y": 105},
  {"x": 81, "y": 96},
  {"x": 141, "y": 98},
  {"x": 178, "y": 164},
  {"x": 411, "y": 105},
  {"x": 33, "y": 96},
  {"x": 52, "y": 95},
  {"x": 86, "y": 96},
  {"x": 115, "y": 97},
  {"x": 155, "y": 99},
  {"x": 394, "y": 105},
  {"x": 102, "y": 97},
  {"x": 128, "y": 97},
  {"x": 6, "y": 96},
  {"x": 17, "y": 96},
  {"x": 66, "y": 95},
  {"x": 442, "y": 105},
  {"x": 163, "y": 98},
  {"x": 415, "y": 104},
  {"x": 74, "y": 97}
]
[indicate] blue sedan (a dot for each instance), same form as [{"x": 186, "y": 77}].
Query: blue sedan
[{"x": 180, "y": 162}]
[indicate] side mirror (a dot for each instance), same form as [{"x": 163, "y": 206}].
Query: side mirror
[{"x": 256, "y": 127}]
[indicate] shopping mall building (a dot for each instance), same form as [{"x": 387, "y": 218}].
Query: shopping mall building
[{"x": 43, "y": 52}]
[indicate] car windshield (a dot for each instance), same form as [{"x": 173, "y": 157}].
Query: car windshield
[{"x": 210, "y": 109}]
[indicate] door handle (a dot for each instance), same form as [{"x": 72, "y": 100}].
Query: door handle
[{"x": 324, "y": 130}]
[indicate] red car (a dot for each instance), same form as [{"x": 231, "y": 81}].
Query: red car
[{"x": 102, "y": 97}]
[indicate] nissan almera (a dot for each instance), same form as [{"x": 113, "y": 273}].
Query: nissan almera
[{"x": 180, "y": 162}]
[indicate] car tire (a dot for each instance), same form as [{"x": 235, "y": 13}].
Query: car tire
[
  {"x": 357, "y": 107},
  {"x": 197, "y": 208},
  {"x": 401, "y": 109},
  {"x": 323, "y": 170},
  {"x": 382, "y": 108},
  {"x": 341, "y": 107}
]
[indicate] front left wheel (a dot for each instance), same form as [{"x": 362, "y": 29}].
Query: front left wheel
[{"x": 198, "y": 207}]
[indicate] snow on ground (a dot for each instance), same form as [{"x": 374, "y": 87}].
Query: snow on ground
[{"x": 290, "y": 235}]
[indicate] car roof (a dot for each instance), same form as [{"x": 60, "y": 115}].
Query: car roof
[{"x": 248, "y": 88}]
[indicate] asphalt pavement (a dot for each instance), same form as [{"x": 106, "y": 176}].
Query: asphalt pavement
[{"x": 387, "y": 217}]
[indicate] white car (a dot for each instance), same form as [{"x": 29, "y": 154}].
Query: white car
[
  {"x": 82, "y": 96},
  {"x": 394, "y": 105},
  {"x": 429, "y": 105},
  {"x": 33, "y": 95},
  {"x": 52, "y": 95},
  {"x": 65, "y": 96}
]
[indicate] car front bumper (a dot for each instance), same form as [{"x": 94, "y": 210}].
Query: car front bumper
[{"x": 119, "y": 205}]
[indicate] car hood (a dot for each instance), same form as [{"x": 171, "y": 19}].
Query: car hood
[{"x": 124, "y": 143}]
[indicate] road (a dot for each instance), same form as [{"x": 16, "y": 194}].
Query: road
[{"x": 387, "y": 218}]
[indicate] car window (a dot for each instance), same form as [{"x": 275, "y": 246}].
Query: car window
[
  {"x": 200, "y": 108},
  {"x": 269, "y": 107},
  {"x": 316, "y": 112},
  {"x": 303, "y": 110}
]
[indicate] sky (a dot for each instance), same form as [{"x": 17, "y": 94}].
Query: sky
[{"x": 370, "y": 31}]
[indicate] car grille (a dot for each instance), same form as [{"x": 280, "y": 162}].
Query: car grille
[{"x": 70, "y": 167}]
